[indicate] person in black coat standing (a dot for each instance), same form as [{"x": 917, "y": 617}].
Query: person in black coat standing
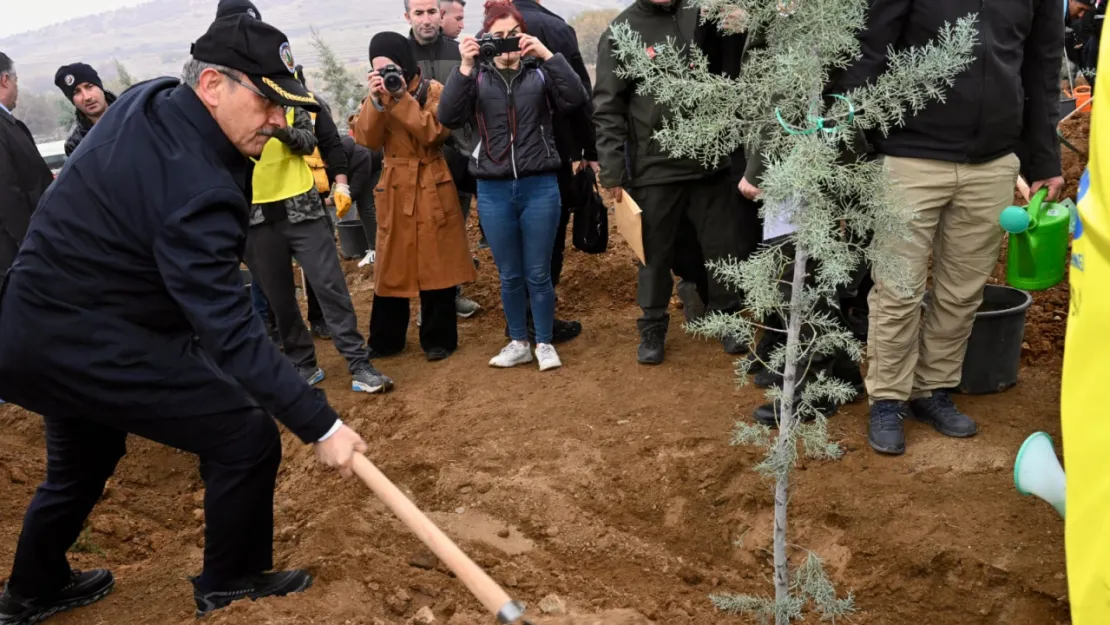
[
  {"x": 24, "y": 176},
  {"x": 157, "y": 338}
]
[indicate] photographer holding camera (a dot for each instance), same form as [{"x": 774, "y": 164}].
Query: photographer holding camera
[
  {"x": 421, "y": 241},
  {"x": 512, "y": 98}
]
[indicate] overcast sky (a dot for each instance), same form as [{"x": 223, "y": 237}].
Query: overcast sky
[{"x": 24, "y": 15}]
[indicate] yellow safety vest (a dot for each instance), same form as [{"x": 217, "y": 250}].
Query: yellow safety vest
[
  {"x": 318, "y": 167},
  {"x": 1083, "y": 410},
  {"x": 279, "y": 174}
]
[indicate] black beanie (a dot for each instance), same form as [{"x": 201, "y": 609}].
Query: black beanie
[
  {"x": 237, "y": 7},
  {"x": 69, "y": 76},
  {"x": 395, "y": 46}
]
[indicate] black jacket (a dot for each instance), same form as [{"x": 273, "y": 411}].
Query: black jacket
[
  {"x": 437, "y": 60},
  {"x": 82, "y": 125},
  {"x": 330, "y": 143},
  {"x": 361, "y": 164},
  {"x": 24, "y": 177},
  {"x": 627, "y": 120},
  {"x": 516, "y": 138},
  {"x": 574, "y": 133},
  {"x": 126, "y": 299},
  {"x": 1008, "y": 100}
]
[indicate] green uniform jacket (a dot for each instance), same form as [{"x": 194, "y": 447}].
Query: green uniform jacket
[{"x": 624, "y": 118}]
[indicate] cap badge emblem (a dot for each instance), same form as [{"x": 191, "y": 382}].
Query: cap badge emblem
[
  {"x": 69, "y": 80},
  {"x": 286, "y": 54}
]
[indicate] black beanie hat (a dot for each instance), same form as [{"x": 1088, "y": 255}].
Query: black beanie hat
[
  {"x": 69, "y": 76},
  {"x": 237, "y": 7},
  {"x": 395, "y": 46}
]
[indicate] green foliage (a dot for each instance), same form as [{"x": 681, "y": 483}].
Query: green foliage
[
  {"x": 85, "y": 544},
  {"x": 123, "y": 77},
  {"x": 832, "y": 203},
  {"x": 342, "y": 88}
]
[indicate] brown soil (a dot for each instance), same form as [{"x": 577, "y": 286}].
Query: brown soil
[{"x": 607, "y": 483}]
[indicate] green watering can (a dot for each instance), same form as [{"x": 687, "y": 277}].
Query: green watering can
[{"x": 1037, "y": 258}]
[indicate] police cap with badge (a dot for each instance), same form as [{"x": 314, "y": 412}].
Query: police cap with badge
[{"x": 261, "y": 52}]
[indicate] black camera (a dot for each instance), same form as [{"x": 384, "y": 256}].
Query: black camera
[
  {"x": 490, "y": 47},
  {"x": 393, "y": 78}
]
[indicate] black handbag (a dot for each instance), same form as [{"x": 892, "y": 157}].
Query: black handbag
[{"x": 591, "y": 217}]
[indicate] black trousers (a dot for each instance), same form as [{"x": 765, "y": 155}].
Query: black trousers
[
  {"x": 389, "y": 322},
  {"x": 239, "y": 456},
  {"x": 706, "y": 204}
]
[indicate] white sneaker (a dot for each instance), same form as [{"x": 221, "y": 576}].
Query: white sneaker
[
  {"x": 515, "y": 353},
  {"x": 548, "y": 357},
  {"x": 368, "y": 259}
]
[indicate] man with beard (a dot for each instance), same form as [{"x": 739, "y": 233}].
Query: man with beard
[{"x": 81, "y": 85}]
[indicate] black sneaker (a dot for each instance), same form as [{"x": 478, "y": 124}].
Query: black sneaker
[
  {"x": 321, "y": 331},
  {"x": 768, "y": 414},
  {"x": 651, "y": 348},
  {"x": 254, "y": 587},
  {"x": 940, "y": 412},
  {"x": 734, "y": 346},
  {"x": 437, "y": 353},
  {"x": 885, "y": 432},
  {"x": 83, "y": 589}
]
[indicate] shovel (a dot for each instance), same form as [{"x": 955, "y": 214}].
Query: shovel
[{"x": 488, "y": 592}]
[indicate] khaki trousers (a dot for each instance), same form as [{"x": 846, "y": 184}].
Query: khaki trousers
[{"x": 954, "y": 211}]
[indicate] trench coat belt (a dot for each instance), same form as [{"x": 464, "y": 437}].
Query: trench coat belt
[{"x": 413, "y": 163}]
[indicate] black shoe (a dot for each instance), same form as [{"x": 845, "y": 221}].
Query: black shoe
[
  {"x": 768, "y": 414},
  {"x": 83, "y": 589},
  {"x": 437, "y": 353},
  {"x": 939, "y": 412},
  {"x": 885, "y": 432},
  {"x": 254, "y": 587},
  {"x": 651, "y": 348},
  {"x": 562, "y": 331},
  {"x": 321, "y": 331},
  {"x": 734, "y": 346}
]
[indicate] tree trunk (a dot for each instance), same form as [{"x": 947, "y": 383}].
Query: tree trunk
[{"x": 787, "y": 422}]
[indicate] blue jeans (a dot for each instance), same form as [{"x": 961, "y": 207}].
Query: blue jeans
[{"x": 519, "y": 218}]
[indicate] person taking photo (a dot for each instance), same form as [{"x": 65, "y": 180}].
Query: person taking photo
[
  {"x": 421, "y": 241},
  {"x": 512, "y": 93}
]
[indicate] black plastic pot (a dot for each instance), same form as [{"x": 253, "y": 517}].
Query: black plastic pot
[
  {"x": 994, "y": 349},
  {"x": 352, "y": 239}
]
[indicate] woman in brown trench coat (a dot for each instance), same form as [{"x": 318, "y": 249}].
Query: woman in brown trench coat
[{"x": 421, "y": 244}]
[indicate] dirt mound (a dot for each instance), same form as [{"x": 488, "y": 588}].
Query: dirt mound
[{"x": 606, "y": 483}]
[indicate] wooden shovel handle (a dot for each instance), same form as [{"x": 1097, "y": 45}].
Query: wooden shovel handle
[{"x": 480, "y": 584}]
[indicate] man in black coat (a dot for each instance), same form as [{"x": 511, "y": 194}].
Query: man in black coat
[
  {"x": 125, "y": 313},
  {"x": 24, "y": 176}
]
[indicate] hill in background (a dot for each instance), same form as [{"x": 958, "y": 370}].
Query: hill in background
[{"x": 153, "y": 39}]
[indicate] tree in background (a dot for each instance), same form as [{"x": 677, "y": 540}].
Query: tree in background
[
  {"x": 123, "y": 78},
  {"x": 42, "y": 112},
  {"x": 342, "y": 88},
  {"x": 590, "y": 25},
  {"x": 826, "y": 204}
]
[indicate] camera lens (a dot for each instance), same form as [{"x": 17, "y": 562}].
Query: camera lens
[
  {"x": 488, "y": 50},
  {"x": 393, "y": 83}
]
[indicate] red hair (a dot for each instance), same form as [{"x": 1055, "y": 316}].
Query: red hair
[{"x": 500, "y": 9}]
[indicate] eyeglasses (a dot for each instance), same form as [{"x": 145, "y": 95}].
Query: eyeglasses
[{"x": 269, "y": 103}]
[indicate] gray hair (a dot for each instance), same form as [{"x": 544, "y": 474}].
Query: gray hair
[
  {"x": 461, "y": 3},
  {"x": 6, "y": 65},
  {"x": 190, "y": 74}
]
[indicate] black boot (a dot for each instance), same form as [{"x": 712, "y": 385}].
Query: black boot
[
  {"x": 320, "y": 330},
  {"x": 253, "y": 587},
  {"x": 885, "y": 431},
  {"x": 83, "y": 589},
  {"x": 939, "y": 412},
  {"x": 768, "y": 414},
  {"x": 652, "y": 341}
]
